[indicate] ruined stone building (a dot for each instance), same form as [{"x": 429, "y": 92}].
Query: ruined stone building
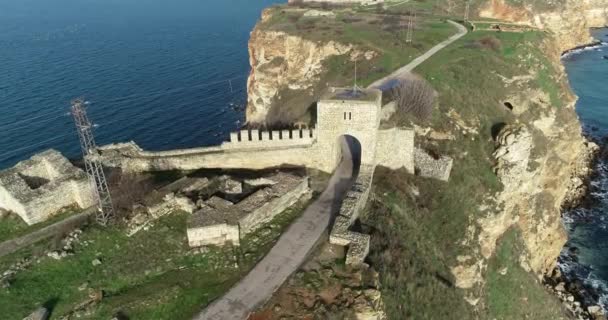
[
  {"x": 39, "y": 187},
  {"x": 220, "y": 221}
]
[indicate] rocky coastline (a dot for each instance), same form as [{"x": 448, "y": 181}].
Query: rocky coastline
[{"x": 580, "y": 298}]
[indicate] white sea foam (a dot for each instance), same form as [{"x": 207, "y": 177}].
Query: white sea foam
[{"x": 597, "y": 47}]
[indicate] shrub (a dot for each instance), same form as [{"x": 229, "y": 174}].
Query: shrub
[
  {"x": 414, "y": 96},
  {"x": 127, "y": 189},
  {"x": 490, "y": 42}
]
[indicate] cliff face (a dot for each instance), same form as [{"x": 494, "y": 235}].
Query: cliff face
[
  {"x": 569, "y": 20},
  {"x": 281, "y": 62}
]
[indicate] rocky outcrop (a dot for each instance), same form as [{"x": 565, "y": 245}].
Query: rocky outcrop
[
  {"x": 541, "y": 164},
  {"x": 279, "y": 62},
  {"x": 569, "y": 20}
]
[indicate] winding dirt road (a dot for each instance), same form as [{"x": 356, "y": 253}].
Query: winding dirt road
[{"x": 404, "y": 71}]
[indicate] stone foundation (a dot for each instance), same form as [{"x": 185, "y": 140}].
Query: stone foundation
[
  {"x": 353, "y": 204},
  {"x": 220, "y": 221},
  {"x": 429, "y": 167},
  {"x": 39, "y": 187}
]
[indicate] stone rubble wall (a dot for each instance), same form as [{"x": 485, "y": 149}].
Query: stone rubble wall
[
  {"x": 221, "y": 221},
  {"x": 429, "y": 167},
  {"x": 353, "y": 204},
  {"x": 39, "y": 187},
  {"x": 132, "y": 160},
  {"x": 216, "y": 235},
  {"x": 170, "y": 204},
  {"x": 271, "y": 209}
]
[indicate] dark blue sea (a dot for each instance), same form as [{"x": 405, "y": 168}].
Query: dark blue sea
[
  {"x": 586, "y": 254},
  {"x": 166, "y": 74}
]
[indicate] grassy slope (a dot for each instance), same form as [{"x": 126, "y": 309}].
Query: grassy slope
[
  {"x": 12, "y": 226},
  {"x": 415, "y": 239},
  {"x": 148, "y": 276},
  {"x": 383, "y": 34}
]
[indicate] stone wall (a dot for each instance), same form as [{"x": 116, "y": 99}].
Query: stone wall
[
  {"x": 270, "y": 139},
  {"x": 37, "y": 188},
  {"x": 129, "y": 158},
  {"x": 268, "y": 210},
  {"x": 353, "y": 204},
  {"x": 395, "y": 149},
  {"x": 217, "y": 235},
  {"x": 340, "y": 112},
  {"x": 220, "y": 221},
  {"x": 429, "y": 167}
]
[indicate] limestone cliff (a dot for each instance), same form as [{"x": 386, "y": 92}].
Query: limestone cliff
[
  {"x": 281, "y": 62},
  {"x": 569, "y": 20}
]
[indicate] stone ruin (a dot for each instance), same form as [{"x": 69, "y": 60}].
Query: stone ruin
[
  {"x": 353, "y": 204},
  {"x": 39, "y": 187},
  {"x": 220, "y": 221}
]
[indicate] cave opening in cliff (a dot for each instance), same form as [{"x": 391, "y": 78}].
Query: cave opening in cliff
[
  {"x": 508, "y": 105},
  {"x": 496, "y": 129}
]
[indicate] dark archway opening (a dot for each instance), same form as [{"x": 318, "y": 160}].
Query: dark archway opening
[
  {"x": 351, "y": 149},
  {"x": 496, "y": 129},
  {"x": 508, "y": 105}
]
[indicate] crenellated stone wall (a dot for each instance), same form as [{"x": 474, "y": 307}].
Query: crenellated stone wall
[{"x": 339, "y": 112}]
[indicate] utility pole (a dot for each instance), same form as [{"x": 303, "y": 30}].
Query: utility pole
[
  {"x": 410, "y": 27},
  {"x": 466, "y": 11},
  {"x": 94, "y": 169},
  {"x": 355, "y": 84}
]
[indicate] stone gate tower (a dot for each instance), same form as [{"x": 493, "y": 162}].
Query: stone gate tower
[{"x": 342, "y": 111}]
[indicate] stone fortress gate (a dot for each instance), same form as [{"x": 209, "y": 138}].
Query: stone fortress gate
[{"x": 340, "y": 112}]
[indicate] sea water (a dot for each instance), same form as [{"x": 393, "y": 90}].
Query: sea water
[
  {"x": 586, "y": 254},
  {"x": 166, "y": 74}
]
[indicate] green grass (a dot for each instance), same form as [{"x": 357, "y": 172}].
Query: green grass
[
  {"x": 12, "y": 227},
  {"x": 148, "y": 276},
  {"x": 367, "y": 31},
  {"x": 513, "y": 293},
  {"x": 411, "y": 249},
  {"x": 417, "y": 235}
]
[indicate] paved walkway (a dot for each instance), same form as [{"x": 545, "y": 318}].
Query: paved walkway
[
  {"x": 288, "y": 254},
  {"x": 404, "y": 71}
]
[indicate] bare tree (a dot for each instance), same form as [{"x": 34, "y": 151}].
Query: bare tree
[
  {"x": 128, "y": 189},
  {"x": 414, "y": 96}
]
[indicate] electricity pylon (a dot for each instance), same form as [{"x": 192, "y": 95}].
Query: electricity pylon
[{"x": 94, "y": 169}]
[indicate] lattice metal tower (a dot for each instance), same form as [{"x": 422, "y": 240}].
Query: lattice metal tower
[
  {"x": 410, "y": 27},
  {"x": 466, "y": 11},
  {"x": 94, "y": 169}
]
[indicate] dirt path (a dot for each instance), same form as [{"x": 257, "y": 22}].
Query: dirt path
[
  {"x": 404, "y": 71},
  {"x": 290, "y": 251}
]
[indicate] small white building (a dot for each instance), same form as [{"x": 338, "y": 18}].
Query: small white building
[{"x": 39, "y": 187}]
